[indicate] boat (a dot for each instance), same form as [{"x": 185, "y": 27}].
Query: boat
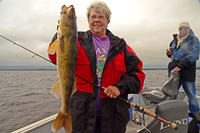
[
  {"x": 159, "y": 102},
  {"x": 44, "y": 125}
]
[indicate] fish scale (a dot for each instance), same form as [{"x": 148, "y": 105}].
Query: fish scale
[{"x": 66, "y": 48}]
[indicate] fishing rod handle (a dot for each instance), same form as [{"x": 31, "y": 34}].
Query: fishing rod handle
[
  {"x": 173, "y": 125},
  {"x": 142, "y": 109}
]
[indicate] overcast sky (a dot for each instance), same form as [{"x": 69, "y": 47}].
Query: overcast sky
[{"x": 146, "y": 25}]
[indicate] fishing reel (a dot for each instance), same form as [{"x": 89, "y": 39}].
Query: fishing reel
[{"x": 140, "y": 121}]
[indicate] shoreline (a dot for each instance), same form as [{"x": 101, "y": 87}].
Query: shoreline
[{"x": 54, "y": 69}]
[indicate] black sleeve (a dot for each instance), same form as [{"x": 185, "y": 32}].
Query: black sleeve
[
  {"x": 132, "y": 82},
  {"x": 54, "y": 38}
]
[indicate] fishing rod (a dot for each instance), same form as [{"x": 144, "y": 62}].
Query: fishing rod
[
  {"x": 173, "y": 125},
  {"x": 14, "y": 43}
]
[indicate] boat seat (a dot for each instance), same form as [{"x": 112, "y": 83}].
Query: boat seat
[
  {"x": 175, "y": 111},
  {"x": 167, "y": 92}
]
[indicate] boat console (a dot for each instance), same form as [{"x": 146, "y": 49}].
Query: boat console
[{"x": 175, "y": 111}]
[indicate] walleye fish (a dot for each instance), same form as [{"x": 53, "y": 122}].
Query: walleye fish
[{"x": 66, "y": 48}]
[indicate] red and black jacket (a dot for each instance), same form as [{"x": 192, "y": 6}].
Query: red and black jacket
[{"x": 122, "y": 68}]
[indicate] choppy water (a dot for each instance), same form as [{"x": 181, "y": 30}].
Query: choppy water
[{"x": 25, "y": 95}]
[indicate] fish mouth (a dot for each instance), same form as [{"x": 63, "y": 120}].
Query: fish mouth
[
  {"x": 71, "y": 9},
  {"x": 68, "y": 17}
]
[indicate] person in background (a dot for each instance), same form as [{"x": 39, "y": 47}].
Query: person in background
[
  {"x": 107, "y": 61},
  {"x": 184, "y": 52}
]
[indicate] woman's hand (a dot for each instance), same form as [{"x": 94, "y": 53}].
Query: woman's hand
[{"x": 111, "y": 91}]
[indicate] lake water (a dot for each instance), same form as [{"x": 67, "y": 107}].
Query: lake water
[{"x": 25, "y": 95}]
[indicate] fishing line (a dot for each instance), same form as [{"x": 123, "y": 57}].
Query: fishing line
[
  {"x": 173, "y": 125},
  {"x": 14, "y": 43}
]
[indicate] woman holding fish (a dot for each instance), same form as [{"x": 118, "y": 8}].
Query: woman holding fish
[{"x": 106, "y": 60}]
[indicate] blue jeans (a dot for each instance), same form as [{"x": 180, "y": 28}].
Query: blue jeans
[{"x": 190, "y": 90}]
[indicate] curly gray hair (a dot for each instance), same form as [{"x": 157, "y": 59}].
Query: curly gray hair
[{"x": 99, "y": 7}]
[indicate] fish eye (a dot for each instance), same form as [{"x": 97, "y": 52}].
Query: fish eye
[
  {"x": 63, "y": 12},
  {"x": 71, "y": 16}
]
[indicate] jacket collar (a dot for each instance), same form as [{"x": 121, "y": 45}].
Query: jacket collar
[
  {"x": 191, "y": 35},
  {"x": 88, "y": 35}
]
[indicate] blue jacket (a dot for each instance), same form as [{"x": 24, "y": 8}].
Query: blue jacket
[{"x": 185, "y": 57}]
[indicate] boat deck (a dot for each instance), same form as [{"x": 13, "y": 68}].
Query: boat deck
[{"x": 44, "y": 126}]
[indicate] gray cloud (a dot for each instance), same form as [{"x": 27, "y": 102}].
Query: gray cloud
[{"x": 147, "y": 26}]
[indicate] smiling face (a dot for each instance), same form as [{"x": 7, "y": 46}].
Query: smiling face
[
  {"x": 98, "y": 23},
  {"x": 183, "y": 31}
]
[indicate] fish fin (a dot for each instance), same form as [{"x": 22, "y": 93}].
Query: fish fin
[
  {"x": 68, "y": 123},
  {"x": 60, "y": 38},
  {"x": 61, "y": 43},
  {"x": 55, "y": 90},
  {"x": 53, "y": 47},
  {"x": 61, "y": 121},
  {"x": 74, "y": 87}
]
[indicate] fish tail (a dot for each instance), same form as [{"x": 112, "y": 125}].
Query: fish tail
[
  {"x": 61, "y": 121},
  {"x": 68, "y": 123}
]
